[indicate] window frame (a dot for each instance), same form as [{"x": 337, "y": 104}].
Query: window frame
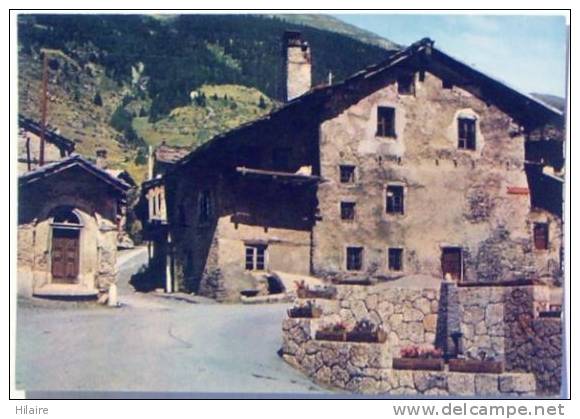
[
  {"x": 381, "y": 129},
  {"x": 401, "y": 264},
  {"x": 400, "y": 206},
  {"x": 544, "y": 228},
  {"x": 253, "y": 253},
  {"x": 467, "y": 142},
  {"x": 353, "y": 175},
  {"x": 361, "y": 261},
  {"x": 349, "y": 206}
]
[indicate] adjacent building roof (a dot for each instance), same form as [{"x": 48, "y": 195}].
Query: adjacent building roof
[
  {"x": 35, "y": 127},
  {"x": 170, "y": 154},
  {"x": 522, "y": 107},
  {"x": 75, "y": 160}
]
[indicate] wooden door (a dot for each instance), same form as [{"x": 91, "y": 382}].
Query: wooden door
[
  {"x": 65, "y": 255},
  {"x": 451, "y": 262}
]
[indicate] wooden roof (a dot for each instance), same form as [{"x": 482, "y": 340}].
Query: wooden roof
[
  {"x": 50, "y": 136},
  {"x": 74, "y": 161},
  {"x": 522, "y": 107}
]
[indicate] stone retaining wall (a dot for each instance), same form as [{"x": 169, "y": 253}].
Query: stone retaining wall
[
  {"x": 367, "y": 368},
  {"x": 499, "y": 321}
]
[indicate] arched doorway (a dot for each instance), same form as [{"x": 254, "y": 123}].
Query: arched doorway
[{"x": 65, "y": 251}]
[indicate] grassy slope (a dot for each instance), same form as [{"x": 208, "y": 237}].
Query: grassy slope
[
  {"x": 77, "y": 118},
  {"x": 194, "y": 124}
]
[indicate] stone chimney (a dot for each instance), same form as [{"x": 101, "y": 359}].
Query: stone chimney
[
  {"x": 297, "y": 65},
  {"x": 102, "y": 158}
]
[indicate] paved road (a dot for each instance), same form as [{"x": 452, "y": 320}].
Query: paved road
[{"x": 152, "y": 344}]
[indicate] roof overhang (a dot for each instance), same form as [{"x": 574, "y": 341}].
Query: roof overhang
[
  {"x": 75, "y": 161},
  {"x": 281, "y": 177}
]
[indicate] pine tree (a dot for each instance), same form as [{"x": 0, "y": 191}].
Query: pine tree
[
  {"x": 98, "y": 100},
  {"x": 262, "y": 103}
]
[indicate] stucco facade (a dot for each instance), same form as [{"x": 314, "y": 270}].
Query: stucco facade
[{"x": 453, "y": 197}]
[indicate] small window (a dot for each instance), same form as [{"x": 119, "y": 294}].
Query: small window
[
  {"x": 541, "y": 236},
  {"x": 466, "y": 133},
  {"x": 395, "y": 259},
  {"x": 204, "y": 207},
  {"x": 354, "y": 258},
  {"x": 256, "y": 257},
  {"x": 395, "y": 199},
  {"x": 347, "y": 210},
  {"x": 386, "y": 122},
  {"x": 347, "y": 174},
  {"x": 406, "y": 84},
  {"x": 281, "y": 159}
]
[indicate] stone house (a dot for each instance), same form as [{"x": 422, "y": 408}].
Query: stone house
[
  {"x": 68, "y": 217},
  {"x": 418, "y": 165}
]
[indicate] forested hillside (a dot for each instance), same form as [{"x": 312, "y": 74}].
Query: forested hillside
[{"x": 182, "y": 53}]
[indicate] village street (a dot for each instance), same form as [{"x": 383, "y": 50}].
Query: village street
[{"x": 152, "y": 344}]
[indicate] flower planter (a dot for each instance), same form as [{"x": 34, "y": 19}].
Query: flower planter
[
  {"x": 331, "y": 335},
  {"x": 473, "y": 365},
  {"x": 326, "y": 293},
  {"x": 429, "y": 364},
  {"x": 368, "y": 337},
  {"x": 305, "y": 312}
]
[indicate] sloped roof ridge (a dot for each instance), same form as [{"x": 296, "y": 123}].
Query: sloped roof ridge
[{"x": 71, "y": 160}]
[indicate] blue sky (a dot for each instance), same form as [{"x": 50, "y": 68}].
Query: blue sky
[{"x": 527, "y": 52}]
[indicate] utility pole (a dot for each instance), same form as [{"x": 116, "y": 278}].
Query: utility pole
[{"x": 43, "y": 105}]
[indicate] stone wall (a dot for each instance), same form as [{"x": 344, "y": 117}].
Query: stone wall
[
  {"x": 409, "y": 316},
  {"x": 535, "y": 344},
  {"x": 366, "y": 368},
  {"x": 499, "y": 322}
]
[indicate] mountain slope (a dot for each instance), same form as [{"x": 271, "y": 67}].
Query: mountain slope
[
  {"x": 333, "y": 24},
  {"x": 122, "y": 81},
  {"x": 552, "y": 100}
]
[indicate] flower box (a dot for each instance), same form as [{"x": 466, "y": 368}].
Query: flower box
[
  {"x": 428, "y": 364},
  {"x": 476, "y": 366},
  {"x": 378, "y": 336},
  {"x": 335, "y": 336},
  {"x": 308, "y": 312},
  {"x": 323, "y": 293}
]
